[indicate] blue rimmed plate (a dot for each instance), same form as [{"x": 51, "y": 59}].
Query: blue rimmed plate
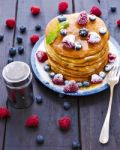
[{"x": 43, "y": 77}]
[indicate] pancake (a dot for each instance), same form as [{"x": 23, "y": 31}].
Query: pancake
[{"x": 78, "y": 65}]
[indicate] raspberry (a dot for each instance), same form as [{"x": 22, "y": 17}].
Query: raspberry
[
  {"x": 111, "y": 57},
  {"x": 96, "y": 79},
  {"x": 62, "y": 6},
  {"x": 4, "y": 113},
  {"x": 93, "y": 38},
  {"x": 41, "y": 56},
  {"x": 72, "y": 86},
  {"x": 64, "y": 123},
  {"x": 35, "y": 10},
  {"x": 34, "y": 38},
  {"x": 118, "y": 22},
  {"x": 69, "y": 41},
  {"x": 96, "y": 11},
  {"x": 32, "y": 121},
  {"x": 10, "y": 23},
  {"x": 82, "y": 19},
  {"x": 58, "y": 79}
]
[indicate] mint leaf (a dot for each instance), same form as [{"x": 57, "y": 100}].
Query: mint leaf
[
  {"x": 51, "y": 37},
  {"x": 63, "y": 25}
]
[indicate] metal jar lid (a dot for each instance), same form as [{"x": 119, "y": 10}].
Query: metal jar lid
[{"x": 16, "y": 74}]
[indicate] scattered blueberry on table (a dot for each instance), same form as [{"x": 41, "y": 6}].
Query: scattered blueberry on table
[
  {"x": 38, "y": 27},
  {"x": 12, "y": 51},
  {"x": 22, "y": 29},
  {"x": 40, "y": 139},
  {"x": 19, "y": 39},
  {"x": 39, "y": 99},
  {"x": 1, "y": 37},
  {"x": 20, "y": 50},
  {"x": 67, "y": 105},
  {"x": 60, "y": 95},
  {"x": 75, "y": 145},
  {"x": 10, "y": 60},
  {"x": 113, "y": 9}
]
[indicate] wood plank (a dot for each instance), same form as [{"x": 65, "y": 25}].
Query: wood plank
[
  {"x": 93, "y": 108},
  {"x": 5, "y": 13},
  {"x": 52, "y": 107}
]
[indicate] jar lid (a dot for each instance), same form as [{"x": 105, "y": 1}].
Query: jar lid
[{"x": 16, "y": 73}]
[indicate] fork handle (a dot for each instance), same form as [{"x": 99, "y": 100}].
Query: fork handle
[{"x": 104, "y": 135}]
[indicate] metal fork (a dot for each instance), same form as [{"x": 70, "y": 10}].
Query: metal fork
[{"x": 112, "y": 80}]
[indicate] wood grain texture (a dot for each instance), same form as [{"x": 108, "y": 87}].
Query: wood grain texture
[
  {"x": 93, "y": 108},
  {"x": 4, "y": 47},
  {"x": 52, "y": 107}
]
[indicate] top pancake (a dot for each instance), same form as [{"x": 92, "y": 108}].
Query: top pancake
[{"x": 74, "y": 27}]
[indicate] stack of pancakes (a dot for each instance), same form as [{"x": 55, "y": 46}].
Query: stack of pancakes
[{"x": 73, "y": 64}]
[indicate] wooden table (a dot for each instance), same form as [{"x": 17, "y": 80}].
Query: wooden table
[{"x": 87, "y": 113}]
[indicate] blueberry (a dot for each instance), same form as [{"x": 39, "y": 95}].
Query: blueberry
[
  {"x": 108, "y": 68},
  {"x": 79, "y": 84},
  {"x": 67, "y": 105},
  {"x": 20, "y": 50},
  {"x": 61, "y": 95},
  {"x": 1, "y": 37},
  {"x": 12, "y": 51},
  {"x": 102, "y": 30},
  {"x": 39, "y": 99},
  {"x": 19, "y": 40},
  {"x": 66, "y": 81},
  {"x": 83, "y": 32},
  {"x": 92, "y": 17},
  {"x": 86, "y": 83},
  {"x": 102, "y": 74},
  {"x": 40, "y": 139},
  {"x": 63, "y": 32},
  {"x": 47, "y": 68},
  {"x": 75, "y": 145},
  {"x": 10, "y": 60},
  {"x": 38, "y": 27},
  {"x": 52, "y": 74},
  {"x": 22, "y": 29},
  {"x": 61, "y": 18},
  {"x": 78, "y": 46},
  {"x": 113, "y": 9}
]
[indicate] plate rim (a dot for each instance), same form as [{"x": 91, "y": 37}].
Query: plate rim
[{"x": 53, "y": 88}]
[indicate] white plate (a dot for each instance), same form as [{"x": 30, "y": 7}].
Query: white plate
[{"x": 42, "y": 75}]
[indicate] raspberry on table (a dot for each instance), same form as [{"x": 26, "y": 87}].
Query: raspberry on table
[
  {"x": 34, "y": 38},
  {"x": 96, "y": 11},
  {"x": 118, "y": 22},
  {"x": 32, "y": 121},
  {"x": 10, "y": 23},
  {"x": 4, "y": 112},
  {"x": 64, "y": 123},
  {"x": 35, "y": 10},
  {"x": 62, "y": 6}
]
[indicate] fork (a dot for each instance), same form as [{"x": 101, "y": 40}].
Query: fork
[{"x": 112, "y": 80}]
